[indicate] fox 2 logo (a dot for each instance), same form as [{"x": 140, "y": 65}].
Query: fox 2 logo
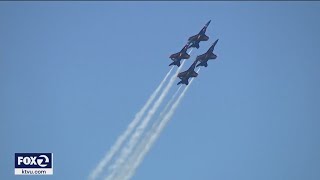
[{"x": 33, "y": 160}]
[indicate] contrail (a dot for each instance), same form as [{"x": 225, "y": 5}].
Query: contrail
[
  {"x": 126, "y": 151},
  {"x": 145, "y": 140},
  {"x": 96, "y": 172},
  {"x": 140, "y": 129},
  {"x": 155, "y": 135}
]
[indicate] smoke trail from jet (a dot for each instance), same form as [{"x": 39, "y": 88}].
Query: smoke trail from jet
[
  {"x": 131, "y": 171},
  {"x": 126, "y": 151},
  {"x": 145, "y": 140},
  {"x": 120, "y": 140}
]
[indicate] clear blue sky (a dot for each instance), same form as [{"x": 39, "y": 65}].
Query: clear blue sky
[{"x": 73, "y": 74}]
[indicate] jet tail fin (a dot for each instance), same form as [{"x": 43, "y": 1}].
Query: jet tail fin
[
  {"x": 175, "y": 63},
  {"x": 183, "y": 82}
]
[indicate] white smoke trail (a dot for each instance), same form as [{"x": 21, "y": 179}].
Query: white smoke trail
[
  {"x": 126, "y": 151},
  {"x": 96, "y": 172},
  {"x": 146, "y": 139},
  {"x": 140, "y": 129},
  {"x": 155, "y": 135}
]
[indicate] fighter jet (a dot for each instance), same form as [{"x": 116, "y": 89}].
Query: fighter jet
[
  {"x": 184, "y": 76},
  {"x": 203, "y": 58},
  {"x": 177, "y": 57},
  {"x": 195, "y": 40}
]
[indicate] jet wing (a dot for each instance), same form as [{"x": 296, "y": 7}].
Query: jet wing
[
  {"x": 200, "y": 57},
  {"x": 182, "y": 74},
  {"x": 194, "y": 74},
  {"x": 192, "y": 37}
]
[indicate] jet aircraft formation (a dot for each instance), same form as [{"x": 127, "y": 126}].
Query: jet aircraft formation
[{"x": 203, "y": 59}]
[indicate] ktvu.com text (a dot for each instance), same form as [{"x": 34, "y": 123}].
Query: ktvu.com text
[{"x": 33, "y": 164}]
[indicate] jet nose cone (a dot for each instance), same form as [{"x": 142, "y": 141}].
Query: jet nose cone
[
  {"x": 208, "y": 23},
  {"x": 214, "y": 44}
]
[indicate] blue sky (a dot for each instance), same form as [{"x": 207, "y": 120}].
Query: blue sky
[{"x": 73, "y": 74}]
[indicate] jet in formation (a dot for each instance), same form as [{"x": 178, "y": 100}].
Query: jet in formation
[
  {"x": 203, "y": 58},
  {"x": 177, "y": 57},
  {"x": 201, "y": 36},
  {"x": 184, "y": 76}
]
